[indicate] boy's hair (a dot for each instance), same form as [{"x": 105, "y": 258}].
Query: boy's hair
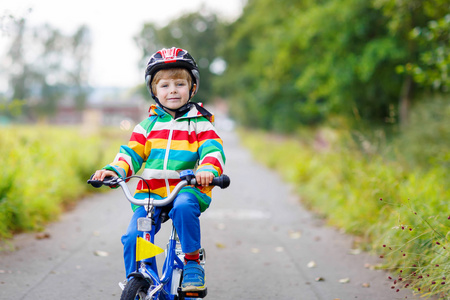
[{"x": 175, "y": 73}]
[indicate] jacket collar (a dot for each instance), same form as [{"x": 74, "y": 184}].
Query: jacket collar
[{"x": 196, "y": 110}]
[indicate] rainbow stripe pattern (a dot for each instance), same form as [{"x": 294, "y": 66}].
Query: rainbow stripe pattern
[{"x": 167, "y": 146}]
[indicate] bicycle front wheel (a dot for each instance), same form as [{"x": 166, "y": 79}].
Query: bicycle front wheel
[{"x": 136, "y": 288}]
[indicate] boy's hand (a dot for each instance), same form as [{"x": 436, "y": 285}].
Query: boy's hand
[
  {"x": 101, "y": 174},
  {"x": 204, "y": 178}
]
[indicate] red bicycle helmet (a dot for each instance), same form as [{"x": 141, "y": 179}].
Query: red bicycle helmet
[{"x": 172, "y": 58}]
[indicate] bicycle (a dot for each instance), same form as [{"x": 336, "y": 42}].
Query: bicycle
[{"x": 145, "y": 284}]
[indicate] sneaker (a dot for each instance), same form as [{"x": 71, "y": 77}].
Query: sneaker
[{"x": 193, "y": 277}]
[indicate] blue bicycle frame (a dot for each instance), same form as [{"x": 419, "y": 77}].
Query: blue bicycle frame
[{"x": 167, "y": 285}]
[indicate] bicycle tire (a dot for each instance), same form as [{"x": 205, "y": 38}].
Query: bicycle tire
[{"x": 136, "y": 287}]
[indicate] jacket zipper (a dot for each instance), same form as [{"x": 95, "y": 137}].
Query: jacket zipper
[{"x": 166, "y": 157}]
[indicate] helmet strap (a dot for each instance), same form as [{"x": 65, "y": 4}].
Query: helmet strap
[{"x": 180, "y": 110}]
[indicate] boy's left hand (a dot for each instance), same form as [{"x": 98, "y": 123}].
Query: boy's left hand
[{"x": 204, "y": 178}]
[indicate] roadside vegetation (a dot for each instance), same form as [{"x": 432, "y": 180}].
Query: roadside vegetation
[
  {"x": 348, "y": 99},
  {"x": 44, "y": 172},
  {"x": 392, "y": 192}
]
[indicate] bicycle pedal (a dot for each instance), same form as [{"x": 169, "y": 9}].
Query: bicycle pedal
[
  {"x": 192, "y": 294},
  {"x": 122, "y": 284}
]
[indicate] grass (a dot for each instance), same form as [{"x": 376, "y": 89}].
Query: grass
[
  {"x": 44, "y": 172},
  {"x": 385, "y": 192}
]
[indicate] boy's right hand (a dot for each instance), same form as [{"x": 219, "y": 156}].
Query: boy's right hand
[{"x": 101, "y": 174}]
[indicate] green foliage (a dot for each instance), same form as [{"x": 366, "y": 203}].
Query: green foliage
[
  {"x": 433, "y": 70},
  {"x": 293, "y": 63},
  {"x": 44, "y": 170},
  {"x": 424, "y": 26},
  {"x": 392, "y": 192},
  {"x": 45, "y": 66},
  {"x": 11, "y": 109},
  {"x": 201, "y": 34}
]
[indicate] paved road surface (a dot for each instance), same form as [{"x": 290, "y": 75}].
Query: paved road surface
[{"x": 259, "y": 242}]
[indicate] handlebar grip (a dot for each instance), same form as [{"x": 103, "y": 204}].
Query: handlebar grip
[
  {"x": 222, "y": 181},
  {"x": 108, "y": 181}
]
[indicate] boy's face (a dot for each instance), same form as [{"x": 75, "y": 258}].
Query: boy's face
[{"x": 172, "y": 93}]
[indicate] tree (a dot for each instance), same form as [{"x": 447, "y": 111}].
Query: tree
[
  {"x": 292, "y": 62},
  {"x": 257, "y": 81},
  {"x": 46, "y": 65},
  {"x": 301, "y": 62},
  {"x": 432, "y": 70},
  {"x": 403, "y": 19},
  {"x": 201, "y": 34},
  {"x": 78, "y": 75},
  {"x": 18, "y": 68}
]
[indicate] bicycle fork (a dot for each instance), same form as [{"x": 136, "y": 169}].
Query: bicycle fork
[{"x": 175, "y": 255}]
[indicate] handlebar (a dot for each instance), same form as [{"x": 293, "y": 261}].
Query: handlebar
[{"x": 222, "y": 181}]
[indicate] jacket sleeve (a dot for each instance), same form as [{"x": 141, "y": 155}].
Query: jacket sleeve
[
  {"x": 130, "y": 158},
  {"x": 211, "y": 154}
]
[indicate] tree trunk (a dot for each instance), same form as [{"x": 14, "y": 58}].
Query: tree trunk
[{"x": 405, "y": 101}]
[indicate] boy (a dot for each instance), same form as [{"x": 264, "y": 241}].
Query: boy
[{"x": 177, "y": 135}]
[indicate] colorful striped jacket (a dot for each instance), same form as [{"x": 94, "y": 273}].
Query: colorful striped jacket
[{"x": 168, "y": 146}]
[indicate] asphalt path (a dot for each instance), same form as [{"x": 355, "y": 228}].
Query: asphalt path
[{"x": 260, "y": 244}]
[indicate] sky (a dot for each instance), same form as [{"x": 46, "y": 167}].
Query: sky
[{"x": 113, "y": 24}]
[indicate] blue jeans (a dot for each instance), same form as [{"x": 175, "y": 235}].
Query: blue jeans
[{"x": 185, "y": 213}]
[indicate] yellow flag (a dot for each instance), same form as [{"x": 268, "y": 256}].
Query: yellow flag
[{"x": 145, "y": 249}]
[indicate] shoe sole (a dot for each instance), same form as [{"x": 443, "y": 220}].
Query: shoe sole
[{"x": 193, "y": 288}]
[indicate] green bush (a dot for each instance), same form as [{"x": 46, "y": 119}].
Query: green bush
[
  {"x": 386, "y": 192},
  {"x": 44, "y": 171}
]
